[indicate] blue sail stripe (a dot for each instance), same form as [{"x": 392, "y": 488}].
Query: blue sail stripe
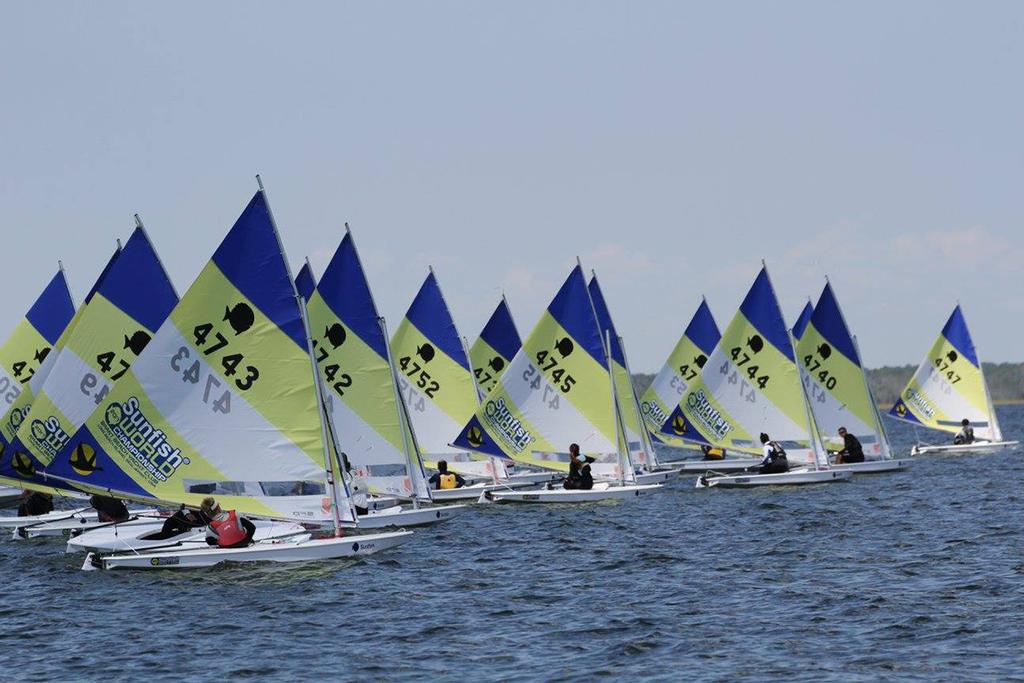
[
  {"x": 761, "y": 309},
  {"x": 430, "y": 314},
  {"x": 346, "y": 292},
  {"x": 500, "y": 332}
]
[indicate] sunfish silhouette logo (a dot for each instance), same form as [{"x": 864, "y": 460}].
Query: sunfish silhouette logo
[
  {"x": 678, "y": 424},
  {"x": 137, "y": 341},
  {"x": 41, "y": 354},
  {"x": 426, "y": 352},
  {"x": 22, "y": 464},
  {"x": 240, "y": 317},
  {"x": 335, "y": 335},
  {"x": 700, "y": 360},
  {"x": 564, "y": 346},
  {"x": 824, "y": 350},
  {"x": 901, "y": 409},
  {"x": 475, "y": 437},
  {"x": 496, "y": 363},
  {"x": 755, "y": 343},
  {"x": 952, "y": 356},
  {"x": 83, "y": 459}
]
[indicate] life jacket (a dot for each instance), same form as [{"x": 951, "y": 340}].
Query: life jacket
[
  {"x": 228, "y": 528},
  {"x": 447, "y": 481},
  {"x": 777, "y": 452}
]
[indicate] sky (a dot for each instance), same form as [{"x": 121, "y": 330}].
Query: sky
[{"x": 671, "y": 146}]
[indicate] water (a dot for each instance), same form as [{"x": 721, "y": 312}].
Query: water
[{"x": 910, "y": 576}]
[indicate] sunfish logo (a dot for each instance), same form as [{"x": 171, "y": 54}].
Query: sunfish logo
[
  {"x": 508, "y": 426},
  {"x": 653, "y": 412},
  {"x": 49, "y": 435},
  {"x": 18, "y": 416},
  {"x": 147, "y": 447},
  {"x": 918, "y": 400},
  {"x": 701, "y": 409}
]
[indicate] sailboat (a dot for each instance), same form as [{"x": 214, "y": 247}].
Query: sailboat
[
  {"x": 836, "y": 383},
  {"x": 638, "y": 443},
  {"x": 948, "y": 387},
  {"x": 224, "y": 400},
  {"x": 750, "y": 384},
  {"x": 440, "y": 392},
  {"x": 556, "y": 390},
  {"x": 362, "y": 398},
  {"x": 22, "y": 355}
]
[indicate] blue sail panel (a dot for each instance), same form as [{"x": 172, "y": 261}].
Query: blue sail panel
[
  {"x": 53, "y": 310},
  {"x": 702, "y": 330},
  {"x": 430, "y": 314},
  {"x": 305, "y": 283},
  {"x": 828, "y": 320},
  {"x": 500, "y": 332},
  {"x": 604, "y": 319},
  {"x": 761, "y": 308},
  {"x": 571, "y": 308},
  {"x": 801, "y": 322},
  {"x": 955, "y": 331},
  {"x": 138, "y": 283},
  {"x": 346, "y": 292}
]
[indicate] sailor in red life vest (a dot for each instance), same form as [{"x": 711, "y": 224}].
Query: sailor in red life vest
[{"x": 226, "y": 529}]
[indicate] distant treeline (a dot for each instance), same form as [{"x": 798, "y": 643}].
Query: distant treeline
[{"x": 1005, "y": 381}]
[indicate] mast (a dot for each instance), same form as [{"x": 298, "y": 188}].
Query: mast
[
  {"x": 328, "y": 460},
  {"x": 645, "y": 436},
  {"x": 997, "y": 433},
  {"x": 415, "y": 467},
  {"x": 476, "y": 389},
  {"x": 887, "y": 454}
]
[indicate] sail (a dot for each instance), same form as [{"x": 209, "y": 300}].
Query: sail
[
  {"x": 222, "y": 401},
  {"x": 434, "y": 373},
  {"x": 682, "y": 367},
  {"x": 801, "y": 322},
  {"x": 495, "y": 348},
  {"x": 625, "y": 396},
  {"x": 305, "y": 283},
  {"x": 361, "y": 397},
  {"x": 749, "y": 384},
  {"x": 556, "y": 391},
  {"x": 949, "y": 386},
  {"x": 23, "y": 355},
  {"x": 129, "y": 303},
  {"x": 834, "y": 379}
]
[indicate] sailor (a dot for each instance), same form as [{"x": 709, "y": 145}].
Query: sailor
[
  {"x": 357, "y": 487},
  {"x": 580, "y": 476},
  {"x": 966, "y": 433},
  {"x": 181, "y": 521},
  {"x": 226, "y": 529},
  {"x": 712, "y": 453},
  {"x": 774, "y": 461},
  {"x": 35, "y": 503},
  {"x": 109, "y": 509},
  {"x": 852, "y": 450},
  {"x": 443, "y": 479}
]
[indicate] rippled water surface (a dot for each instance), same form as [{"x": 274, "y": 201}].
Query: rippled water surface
[{"x": 913, "y": 576}]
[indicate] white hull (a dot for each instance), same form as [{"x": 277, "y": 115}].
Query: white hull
[
  {"x": 791, "y": 478},
  {"x": 657, "y": 476},
  {"x": 730, "y": 465},
  {"x": 473, "y": 492},
  {"x": 15, "y": 522},
  {"x": 399, "y": 517},
  {"x": 305, "y": 550},
  {"x": 83, "y": 522},
  {"x": 534, "y": 477},
  {"x": 976, "y": 447},
  {"x": 9, "y": 496},
  {"x": 133, "y": 537},
  {"x": 559, "y": 495},
  {"x": 874, "y": 466}
]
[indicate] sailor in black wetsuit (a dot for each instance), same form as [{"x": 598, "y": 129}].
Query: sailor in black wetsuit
[
  {"x": 181, "y": 521},
  {"x": 109, "y": 509},
  {"x": 35, "y": 503},
  {"x": 774, "y": 461},
  {"x": 852, "y": 450},
  {"x": 966, "y": 433}
]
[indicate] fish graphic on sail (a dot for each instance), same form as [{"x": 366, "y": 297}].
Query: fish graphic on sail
[
  {"x": 949, "y": 386},
  {"x": 556, "y": 390},
  {"x": 834, "y": 378},
  {"x": 351, "y": 350},
  {"x": 683, "y": 366},
  {"x": 305, "y": 283},
  {"x": 495, "y": 348},
  {"x": 222, "y": 400},
  {"x": 132, "y": 299},
  {"x": 435, "y": 378},
  {"x": 22, "y": 357},
  {"x": 640, "y": 453},
  {"x": 750, "y": 384}
]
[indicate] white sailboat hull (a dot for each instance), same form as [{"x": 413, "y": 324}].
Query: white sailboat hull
[
  {"x": 874, "y": 466},
  {"x": 791, "y": 478},
  {"x": 133, "y": 537},
  {"x": 657, "y": 476},
  {"x": 473, "y": 491},
  {"x": 966, "y": 448},
  {"x": 9, "y": 496},
  {"x": 398, "y": 516},
  {"x": 304, "y": 550},
  {"x": 15, "y": 522},
  {"x": 729, "y": 465},
  {"x": 534, "y": 477},
  {"x": 82, "y": 522},
  {"x": 559, "y": 495}
]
